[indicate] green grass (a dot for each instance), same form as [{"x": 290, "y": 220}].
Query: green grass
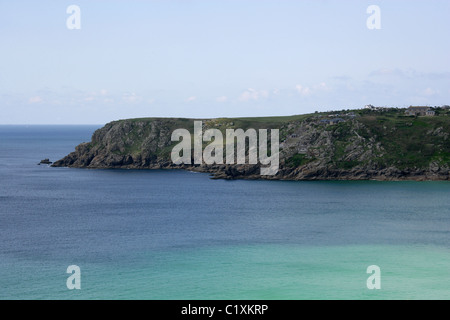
[
  {"x": 346, "y": 164},
  {"x": 407, "y": 140},
  {"x": 298, "y": 160}
]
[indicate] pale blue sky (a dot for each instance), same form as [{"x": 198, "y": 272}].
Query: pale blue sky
[{"x": 217, "y": 58}]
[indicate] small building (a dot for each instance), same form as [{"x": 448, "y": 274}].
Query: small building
[
  {"x": 417, "y": 111},
  {"x": 369, "y": 106},
  {"x": 430, "y": 113}
]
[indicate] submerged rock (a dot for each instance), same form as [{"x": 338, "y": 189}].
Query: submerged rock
[{"x": 45, "y": 161}]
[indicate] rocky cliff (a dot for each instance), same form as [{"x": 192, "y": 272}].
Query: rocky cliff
[{"x": 346, "y": 145}]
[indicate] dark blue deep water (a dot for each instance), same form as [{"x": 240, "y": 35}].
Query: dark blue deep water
[{"x": 180, "y": 235}]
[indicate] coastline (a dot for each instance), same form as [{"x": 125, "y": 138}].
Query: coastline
[{"x": 219, "y": 174}]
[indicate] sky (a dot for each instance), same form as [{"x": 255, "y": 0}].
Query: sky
[{"x": 218, "y": 58}]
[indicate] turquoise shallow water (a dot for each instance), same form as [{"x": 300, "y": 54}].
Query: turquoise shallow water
[
  {"x": 243, "y": 272},
  {"x": 180, "y": 235}
]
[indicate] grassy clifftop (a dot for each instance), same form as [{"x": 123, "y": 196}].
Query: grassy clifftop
[{"x": 410, "y": 141}]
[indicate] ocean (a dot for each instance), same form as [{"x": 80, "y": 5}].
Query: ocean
[{"x": 140, "y": 234}]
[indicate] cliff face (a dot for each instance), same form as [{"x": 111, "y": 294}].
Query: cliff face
[{"x": 355, "y": 145}]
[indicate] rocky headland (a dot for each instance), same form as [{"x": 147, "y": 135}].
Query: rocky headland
[{"x": 367, "y": 144}]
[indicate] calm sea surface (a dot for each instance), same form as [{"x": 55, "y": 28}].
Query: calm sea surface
[{"x": 180, "y": 235}]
